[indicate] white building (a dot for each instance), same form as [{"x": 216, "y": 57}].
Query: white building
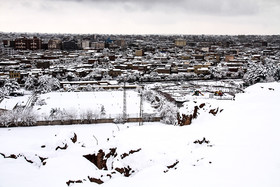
[{"x": 85, "y": 44}]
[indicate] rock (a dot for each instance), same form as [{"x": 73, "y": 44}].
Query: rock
[
  {"x": 130, "y": 152},
  {"x": 214, "y": 111},
  {"x": 195, "y": 112},
  {"x": 173, "y": 165},
  {"x": 10, "y": 156},
  {"x": 72, "y": 182},
  {"x": 201, "y": 141},
  {"x": 43, "y": 160},
  {"x": 74, "y": 138},
  {"x": 125, "y": 171},
  {"x": 30, "y": 161},
  {"x": 98, "y": 160},
  {"x": 63, "y": 148},
  {"x": 184, "y": 120},
  {"x": 113, "y": 152},
  {"x": 92, "y": 179},
  {"x": 202, "y": 105}
]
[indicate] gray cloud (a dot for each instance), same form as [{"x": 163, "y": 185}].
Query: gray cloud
[
  {"x": 212, "y": 7},
  {"x": 202, "y": 7},
  {"x": 142, "y": 16}
]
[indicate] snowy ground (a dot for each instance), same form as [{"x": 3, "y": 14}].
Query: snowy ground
[
  {"x": 241, "y": 148},
  {"x": 80, "y": 102},
  {"x": 184, "y": 91},
  {"x": 10, "y": 102}
]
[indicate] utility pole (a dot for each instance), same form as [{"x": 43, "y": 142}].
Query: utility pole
[
  {"x": 141, "y": 107},
  {"x": 124, "y": 102}
]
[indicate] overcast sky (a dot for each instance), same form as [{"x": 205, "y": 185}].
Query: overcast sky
[{"x": 141, "y": 16}]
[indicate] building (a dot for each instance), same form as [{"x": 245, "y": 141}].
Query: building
[
  {"x": 85, "y": 44},
  {"x": 180, "y": 42},
  {"x": 163, "y": 70},
  {"x": 202, "y": 70},
  {"x": 7, "y": 51},
  {"x": 115, "y": 72},
  {"x": 35, "y": 43},
  {"x": 199, "y": 57},
  {"x": 9, "y": 43},
  {"x": 229, "y": 58},
  {"x": 13, "y": 74},
  {"x": 21, "y": 43},
  {"x": 120, "y": 43},
  {"x": 139, "y": 52},
  {"x": 98, "y": 45},
  {"x": 44, "y": 45},
  {"x": 70, "y": 45},
  {"x": 24, "y": 43},
  {"x": 43, "y": 64},
  {"x": 9, "y": 63},
  {"x": 54, "y": 44}
]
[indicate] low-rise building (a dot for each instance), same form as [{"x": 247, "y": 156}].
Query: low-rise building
[
  {"x": 43, "y": 64},
  {"x": 180, "y": 42},
  {"x": 115, "y": 72},
  {"x": 97, "y": 45},
  {"x": 54, "y": 44},
  {"x": 139, "y": 52},
  {"x": 14, "y": 74}
]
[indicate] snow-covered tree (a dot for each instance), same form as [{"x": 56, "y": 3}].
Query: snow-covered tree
[
  {"x": 89, "y": 88},
  {"x": 10, "y": 86},
  {"x": 96, "y": 73},
  {"x": 154, "y": 75},
  {"x": 168, "y": 112},
  {"x": 106, "y": 76},
  {"x": 41, "y": 102},
  {"x": 72, "y": 76},
  {"x": 58, "y": 114},
  {"x": 90, "y": 115},
  {"x": 87, "y": 115},
  {"x": 215, "y": 72},
  {"x": 71, "y": 88},
  {"x": 47, "y": 83},
  {"x": 265, "y": 71},
  {"x": 119, "y": 119},
  {"x": 44, "y": 84},
  {"x": 28, "y": 118},
  {"x": 2, "y": 93},
  {"x": 18, "y": 117},
  {"x": 102, "y": 110},
  {"x": 4, "y": 119},
  {"x": 30, "y": 82}
]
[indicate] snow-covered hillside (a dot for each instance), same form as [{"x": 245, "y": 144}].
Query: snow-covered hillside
[{"x": 237, "y": 147}]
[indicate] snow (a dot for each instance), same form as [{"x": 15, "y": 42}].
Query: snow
[
  {"x": 10, "y": 102},
  {"x": 80, "y": 102},
  {"x": 242, "y": 149}
]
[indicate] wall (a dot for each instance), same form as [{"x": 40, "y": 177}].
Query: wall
[{"x": 97, "y": 121}]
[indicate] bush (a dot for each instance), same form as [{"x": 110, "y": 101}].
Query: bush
[
  {"x": 267, "y": 71},
  {"x": 18, "y": 117}
]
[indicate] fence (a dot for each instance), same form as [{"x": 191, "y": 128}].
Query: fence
[{"x": 93, "y": 121}]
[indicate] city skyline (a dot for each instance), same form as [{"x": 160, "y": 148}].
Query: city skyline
[{"x": 226, "y": 17}]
